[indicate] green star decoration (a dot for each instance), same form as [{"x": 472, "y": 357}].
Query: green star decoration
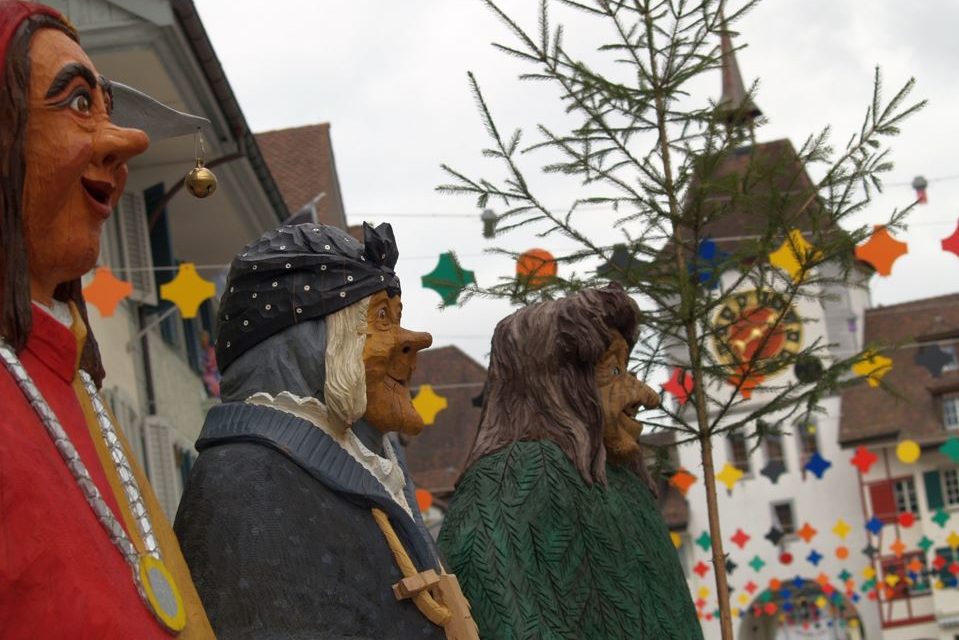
[
  {"x": 757, "y": 564},
  {"x": 941, "y": 518},
  {"x": 925, "y": 543},
  {"x": 844, "y": 575},
  {"x": 950, "y": 448},
  {"x": 448, "y": 278},
  {"x": 704, "y": 541}
]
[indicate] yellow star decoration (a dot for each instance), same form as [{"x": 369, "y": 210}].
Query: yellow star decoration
[
  {"x": 676, "y": 538},
  {"x": 743, "y": 599},
  {"x": 735, "y": 612},
  {"x": 428, "y": 403},
  {"x": 821, "y": 602},
  {"x": 868, "y": 573},
  {"x": 939, "y": 584},
  {"x": 792, "y": 254},
  {"x": 703, "y": 592},
  {"x": 892, "y": 579},
  {"x": 187, "y": 290},
  {"x": 729, "y": 476},
  {"x": 841, "y": 529},
  {"x": 872, "y": 367},
  {"x": 953, "y": 540}
]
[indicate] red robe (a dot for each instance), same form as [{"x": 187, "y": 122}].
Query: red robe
[{"x": 60, "y": 575}]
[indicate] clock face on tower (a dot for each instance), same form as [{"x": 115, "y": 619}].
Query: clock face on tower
[{"x": 758, "y": 323}]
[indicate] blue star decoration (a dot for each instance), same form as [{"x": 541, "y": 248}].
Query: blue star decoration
[
  {"x": 817, "y": 465},
  {"x": 950, "y": 448},
  {"x": 706, "y": 263},
  {"x": 874, "y": 526},
  {"x": 773, "y": 469},
  {"x": 788, "y": 606},
  {"x": 814, "y": 558},
  {"x": 933, "y": 358},
  {"x": 798, "y": 582},
  {"x": 448, "y": 279}
]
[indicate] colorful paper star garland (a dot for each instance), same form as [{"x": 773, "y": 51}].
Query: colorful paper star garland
[
  {"x": 729, "y": 476},
  {"x": 863, "y": 459},
  {"x": 841, "y": 529},
  {"x": 773, "y": 469},
  {"x": 950, "y": 448},
  {"x": 793, "y": 254},
  {"x": 951, "y": 244},
  {"x": 817, "y": 465},
  {"x": 187, "y": 290},
  {"x": 873, "y": 367},
  {"x": 448, "y": 279},
  {"x": 428, "y": 403},
  {"x": 807, "y": 533},
  {"x": 881, "y": 250},
  {"x": 740, "y": 538},
  {"x": 682, "y": 480},
  {"x": 680, "y": 385},
  {"x": 704, "y": 541},
  {"x": 106, "y": 291}
]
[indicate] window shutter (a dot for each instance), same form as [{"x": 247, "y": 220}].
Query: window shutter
[
  {"x": 135, "y": 243},
  {"x": 159, "y": 453},
  {"x": 883, "y": 501},
  {"x": 933, "y": 490}
]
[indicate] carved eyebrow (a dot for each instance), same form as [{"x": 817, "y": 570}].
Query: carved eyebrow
[
  {"x": 66, "y": 75},
  {"x": 107, "y": 87}
]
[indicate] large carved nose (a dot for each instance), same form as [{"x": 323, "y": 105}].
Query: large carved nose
[
  {"x": 413, "y": 341},
  {"x": 641, "y": 396},
  {"x": 115, "y": 145}
]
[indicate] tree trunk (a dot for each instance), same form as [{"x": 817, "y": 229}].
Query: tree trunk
[{"x": 716, "y": 534}]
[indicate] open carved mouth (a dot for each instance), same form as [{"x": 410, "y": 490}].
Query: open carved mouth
[
  {"x": 99, "y": 191},
  {"x": 402, "y": 383}
]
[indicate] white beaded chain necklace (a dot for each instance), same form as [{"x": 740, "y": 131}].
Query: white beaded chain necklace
[{"x": 153, "y": 580}]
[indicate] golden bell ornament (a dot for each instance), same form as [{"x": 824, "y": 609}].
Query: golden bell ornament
[{"x": 200, "y": 181}]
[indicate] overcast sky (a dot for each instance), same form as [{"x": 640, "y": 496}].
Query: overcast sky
[{"x": 390, "y": 77}]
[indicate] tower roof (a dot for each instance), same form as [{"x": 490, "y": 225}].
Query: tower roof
[{"x": 737, "y": 107}]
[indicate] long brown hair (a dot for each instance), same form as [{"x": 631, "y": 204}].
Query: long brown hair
[
  {"x": 16, "y": 316},
  {"x": 542, "y": 380}
]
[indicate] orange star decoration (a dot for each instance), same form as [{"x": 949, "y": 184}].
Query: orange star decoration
[
  {"x": 106, "y": 291},
  {"x": 898, "y": 547},
  {"x": 749, "y": 383},
  {"x": 807, "y": 532},
  {"x": 792, "y": 254},
  {"x": 881, "y": 250},
  {"x": 729, "y": 476},
  {"x": 187, "y": 290},
  {"x": 682, "y": 480},
  {"x": 872, "y": 367},
  {"x": 428, "y": 403}
]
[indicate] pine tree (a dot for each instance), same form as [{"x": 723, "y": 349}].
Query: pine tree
[{"x": 655, "y": 157}]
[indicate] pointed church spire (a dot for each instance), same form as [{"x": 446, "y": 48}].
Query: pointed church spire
[{"x": 735, "y": 105}]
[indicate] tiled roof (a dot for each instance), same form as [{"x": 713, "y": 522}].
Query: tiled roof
[
  {"x": 436, "y": 456},
  {"x": 301, "y": 161},
  {"x": 872, "y": 414}
]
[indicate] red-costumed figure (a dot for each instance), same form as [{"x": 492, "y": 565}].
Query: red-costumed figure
[{"x": 85, "y": 551}]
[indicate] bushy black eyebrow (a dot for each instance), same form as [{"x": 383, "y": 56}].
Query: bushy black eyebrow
[
  {"x": 66, "y": 75},
  {"x": 107, "y": 87}
]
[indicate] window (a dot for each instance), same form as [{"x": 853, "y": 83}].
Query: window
[
  {"x": 784, "y": 518},
  {"x": 905, "y": 492},
  {"x": 941, "y": 562},
  {"x": 950, "y": 487},
  {"x": 950, "y": 349},
  {"x": 950, "y": 411},
  {"x": 912, "y": 572},
  {"x": 808, "y": 440},
  {"x": 738, "y": 452},
  {"x": 774, "y": 449}
]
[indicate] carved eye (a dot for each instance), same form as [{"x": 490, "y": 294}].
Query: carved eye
[
  {"x": 81, "y": 103},
  {"x": 616, "y": 371},
  {"x": 381, "y": 314}
]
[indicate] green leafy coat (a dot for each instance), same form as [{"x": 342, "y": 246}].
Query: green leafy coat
[{"x": 542, "y": 555}]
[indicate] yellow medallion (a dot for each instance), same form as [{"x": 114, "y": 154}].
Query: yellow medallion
[{"x": 162, "y": 594}]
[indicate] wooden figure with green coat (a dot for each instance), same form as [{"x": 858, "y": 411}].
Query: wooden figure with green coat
[{"x": 553, "y": 529}]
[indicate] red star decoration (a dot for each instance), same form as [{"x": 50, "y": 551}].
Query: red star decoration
[
  {"x": 951, "y": 244},
  {"x": 863, "y": 460},
  {"x": 750, "y": 587},
  {"x": 786, "y": 558},
  {"x": 954, "y": 568},
  {"x": 881, "y": 250},
  {"x": 907, "y": 519},
  {"x": 701, "y": 569},
  {"x": 700, "y": 603},
  {"x": 680, "y": 385},
  {"x": 828, "y": 589},
  {"x": 807, "y": 532},
  {"x": 939, "y": 562},
  {"x": 106, "y": 291},
  {"x": 770, "y": 608},
  {"x": 740, "y": 538},
  {"x": 872, "y": 595},
  {"x": 682, "y": 480}
]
